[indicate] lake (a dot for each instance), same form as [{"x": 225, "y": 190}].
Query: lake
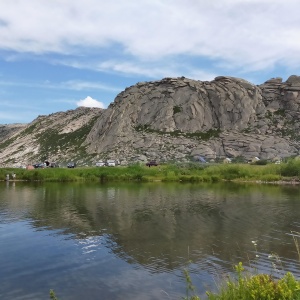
[{"x": 133, "y": 240}]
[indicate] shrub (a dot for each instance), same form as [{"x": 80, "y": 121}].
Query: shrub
[
  {"x": 176, "y": 109},
  {"x": 52, "y": 295},
  {"x": 215, "y": 178},
  {"x": 291, "y": 168},
  {"x": 260, "y": 286},
  {"x": 138, "y": 177},
  {"x": 270, "y": 177},
  {"x": 261, "y": 162}
]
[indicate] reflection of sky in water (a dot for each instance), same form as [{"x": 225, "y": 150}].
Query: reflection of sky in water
[
  {"x": 111, "y": 192},
  {"x": 37, "y": 261},
  {"x": 134, "y": 242},
  {"x": 90, "y": 245}
]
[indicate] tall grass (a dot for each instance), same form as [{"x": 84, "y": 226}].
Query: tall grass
[
  {"x": 260, "y": 287},
  {"x": 290, "y": 169},
  {"x": 190, "y": 172}
]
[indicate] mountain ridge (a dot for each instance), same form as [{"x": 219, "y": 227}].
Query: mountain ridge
[{"x": 169, "y": 119}]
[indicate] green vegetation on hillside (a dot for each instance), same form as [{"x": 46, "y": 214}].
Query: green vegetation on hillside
[
  {"x": 177, "y": 109},
  {"x": 7, "y": 142},
  {"x": 51, "y": 141},
  {"x": 205, "y": 135}
]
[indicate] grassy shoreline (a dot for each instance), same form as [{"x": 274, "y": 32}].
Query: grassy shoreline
[{"x": 285, "y": 173}]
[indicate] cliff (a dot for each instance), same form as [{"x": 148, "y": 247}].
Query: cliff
[{"x": 171, "y": 119}]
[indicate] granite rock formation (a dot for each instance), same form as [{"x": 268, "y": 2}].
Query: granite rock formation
[
  {"x": 55, "y": 137},
  {"x": 170, "y": 119},
  {"x": 178, "y": 118}
]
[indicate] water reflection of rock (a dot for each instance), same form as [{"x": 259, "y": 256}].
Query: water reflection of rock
[{"x": 161, "y": 225}]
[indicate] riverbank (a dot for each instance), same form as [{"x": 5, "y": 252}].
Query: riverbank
[{"x": 285, "y": 173}]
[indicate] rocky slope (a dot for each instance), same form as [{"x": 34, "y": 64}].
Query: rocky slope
[
  {"x": 170, "y": 119},
  {"x": 6, "y": 131},
  {"x": 178, "y": 118},
  {"x": 57, "y": 137}
]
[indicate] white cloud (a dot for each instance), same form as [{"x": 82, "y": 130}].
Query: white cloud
[
  {"x": 90, "y": 102},
  {"x": 157, "y": 70},
  {"x": 87, "y": 85},
  {"x": 75, "y": 85},
  {"x": 247, "y": 34}
]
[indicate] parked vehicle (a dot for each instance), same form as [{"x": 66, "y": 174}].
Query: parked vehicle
[
  {"x": 71, "y": 165},
  {"x": 39, "y": 165},
  {"x": 111, "y": 163},
  {"x": 100, "y": 164},
  {"x": 151, "y": 163}
]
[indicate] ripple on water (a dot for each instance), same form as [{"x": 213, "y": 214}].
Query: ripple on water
[{"x": 89, "y": 246}]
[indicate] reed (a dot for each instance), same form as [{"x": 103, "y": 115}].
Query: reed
[{"x": 296, "y": 237}]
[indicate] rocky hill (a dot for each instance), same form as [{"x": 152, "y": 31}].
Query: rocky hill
[
  {"x": 170, "y": 119},
  {"x": 57, "y": 137}
]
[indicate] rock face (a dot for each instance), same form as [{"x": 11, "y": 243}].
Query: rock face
[
  {"x": 177, "y": 118},
  {"x": 6, "y": 131},
  {"x": 57, "y": 137},
  {"x": 172, "y": 119}
]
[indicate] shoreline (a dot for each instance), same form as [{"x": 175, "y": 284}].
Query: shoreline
[
  {"x": 279, "y": 182},
  {"x": 284, "y": 174}
]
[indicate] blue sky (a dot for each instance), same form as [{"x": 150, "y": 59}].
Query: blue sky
[{"x": 56, "y": 55}]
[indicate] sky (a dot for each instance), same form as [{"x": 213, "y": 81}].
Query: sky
[{"x": 56, "y": 55}]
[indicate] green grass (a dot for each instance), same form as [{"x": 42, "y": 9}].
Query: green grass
[{"x": 191, "y": 172}]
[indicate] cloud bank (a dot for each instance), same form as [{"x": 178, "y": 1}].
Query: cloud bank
[{"x": 247, "y": 34}]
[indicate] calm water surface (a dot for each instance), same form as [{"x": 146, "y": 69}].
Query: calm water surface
[{"x": 133, "y": 241}]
